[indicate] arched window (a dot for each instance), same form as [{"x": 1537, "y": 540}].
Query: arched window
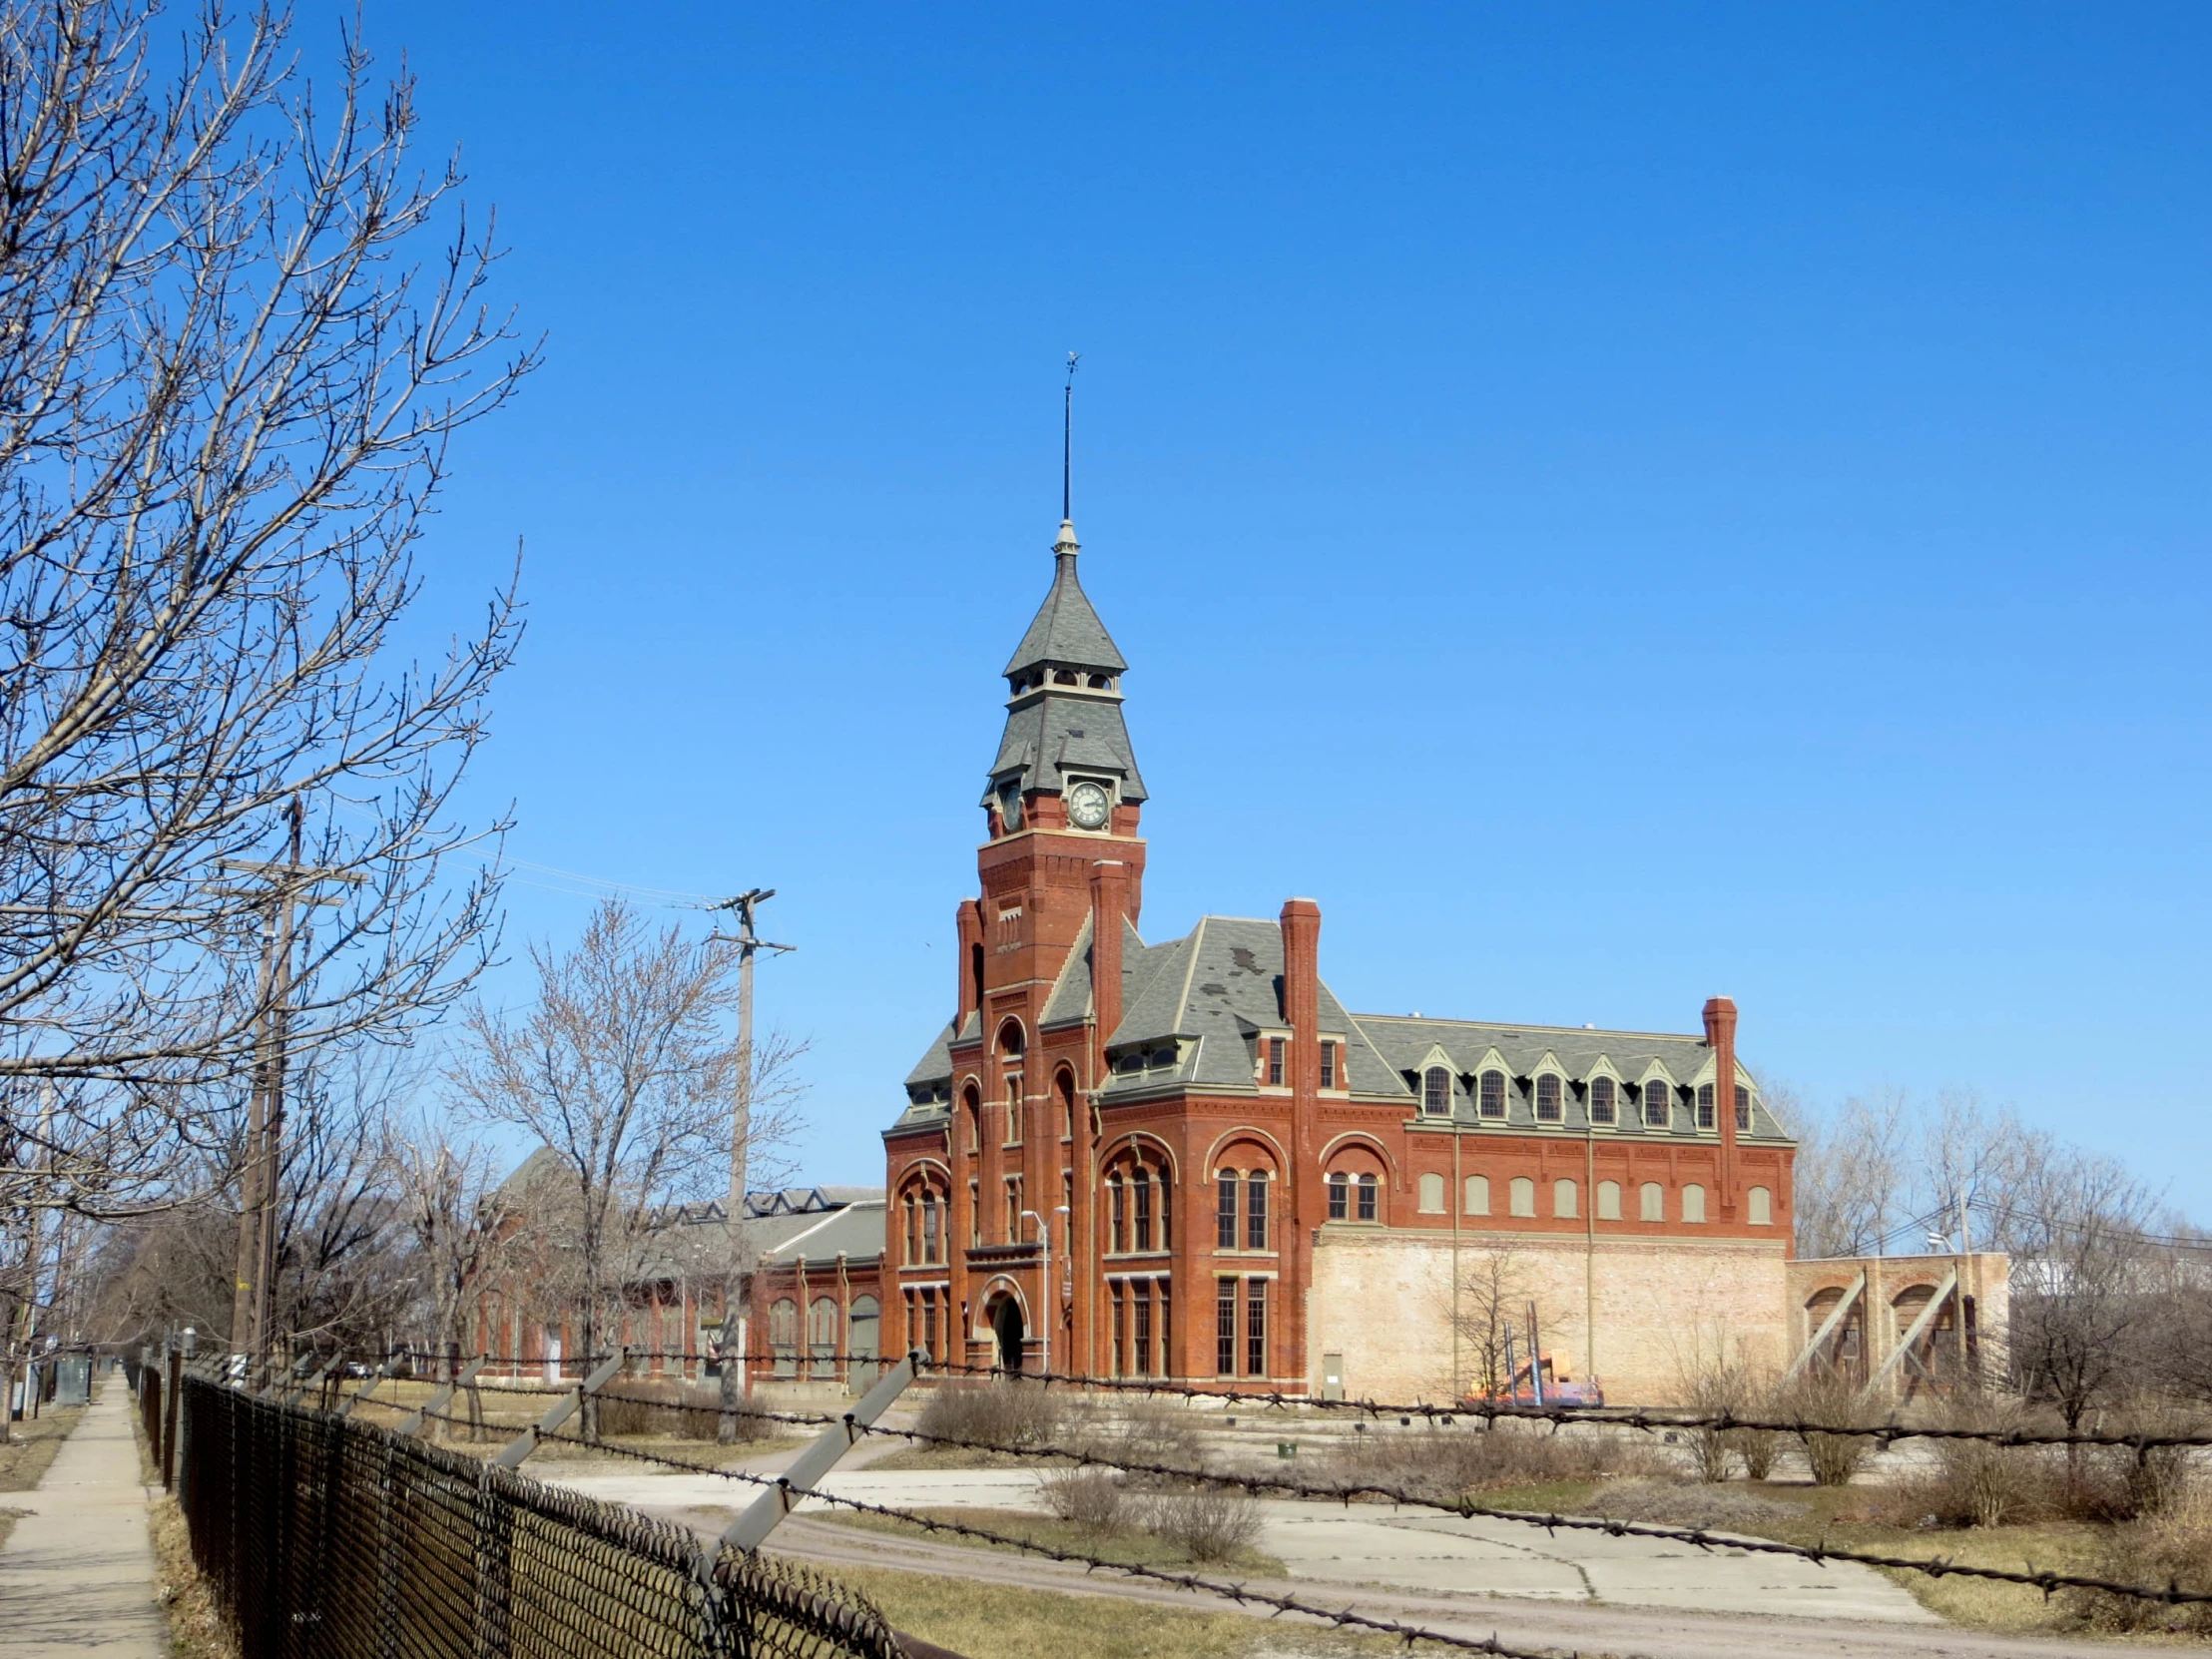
[
  {"x": 1742, "y": 1110},
  {"x": 1063, "y": 1085},
  {"x": 1432, "y": 1195},
  {"x": 1693, "y": 1201},
  {"x": 783, "y": 1336},
  {"x": 971, "y": 1102},
  {"x": 1009, "y": 1038},
  {"x": 1494, "y": 1094},
  {"x": 1371, "y": 1196},
  {"x": 1225, "y": 1213},
  {"x": 1547, "y": 1098},
  {"x": 932, "y": 1226},
  {"x": 1760, "y": 1207},
  {"x": 1013, "y": 1106},
  {"x": 865, "y": 1341},
  {"x": 1436, "y": 1092},
  {"x": 1601, "y": 1100},
  {"x": 1477, "y": 1195},
  {"x": 821, "y": 1327},
  {"x": 1564, "y": 1198},
  {"x": 1651, "y": 1202},
  {"x": 1608, "y": 1201},
  {"x": 1339, "y": 1196},
  {"x": 1658, "y": 1107},
  {"x": 1140, "y": 1183},
  {"x": 1116, "y": 1208},
  {"x": 1705, "y": 1105},
  {"x": 1256, "y": 1210},
  {"x": 1523, "y": 1196}
]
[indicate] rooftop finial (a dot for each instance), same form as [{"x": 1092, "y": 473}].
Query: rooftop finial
[{"x": 1067, "y": 445}]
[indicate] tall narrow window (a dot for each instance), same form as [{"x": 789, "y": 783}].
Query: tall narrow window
[
  {"x": 1225, "y": 1327},
  {"x": 975, "y": 1212},
  {"x": 1255, "y": 1211},
  {"x": 1114, "y": 1313},
  {"x": 1140, "y": 1305},
  {"x": 1225, "y": 1212},
  {"x": 1339, "y": 1196},
  {"x": 1494, "y": 1094},
  {"x": 1116, "y": 1208},
  {"x": 1601, "y": 1100},
  {"x": 1141, "y": 1182},
  {"x": 914, "y": 1233},
  {"x": 1167, "y": 1209},
  {"x": 930, "y": 1229},
  {"x": 1013, "y": 1106},
  {"x": 1275, "y": 1062},
  {"x": 1658, "y": 1111},
  {"x": 1547, "y": 1098},
  {"x": 1742, "y": 1110},
  {"x": 1436, "y": 1092},
  {"x": 1256, "y": 1327},
  {"x": 1327, "y": 1065},
  {"x": 1013, "y": 1210},
  {"x": 1370, "y": 1198},
  {"x": 1167, "y": 1327},
  {"x": 929, "y": 1321},
  {"x": 1705, "y": 1105}
]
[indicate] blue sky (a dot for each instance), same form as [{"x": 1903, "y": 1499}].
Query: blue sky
[{"x": 1619, "y": 503}]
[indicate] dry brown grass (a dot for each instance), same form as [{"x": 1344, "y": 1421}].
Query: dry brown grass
[
  {"x": 196, "y": 1628},
  {"x": 999, "y": 1621},
  {"x": 1447, "y": 1464},
  {"x": 1128, "y": 1545},
  {"x": 32, "y": 1445}
]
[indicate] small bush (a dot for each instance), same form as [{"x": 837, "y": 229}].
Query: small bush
[
  {"x": 1091, "y": 1498},
  {"x": 1003, "y": 1414},
  {"x": 1206, "y": 1523},
  {"x": 1823, "y": 1395}
]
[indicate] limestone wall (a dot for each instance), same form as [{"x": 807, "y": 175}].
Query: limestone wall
[{"x": 1382, "y": 1298}]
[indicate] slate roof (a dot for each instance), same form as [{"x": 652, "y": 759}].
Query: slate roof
[
  {"x": 1194, "y": 1009},
  {"x": 1050, "y": 736},
  {"x": 1066, "y": 628}
]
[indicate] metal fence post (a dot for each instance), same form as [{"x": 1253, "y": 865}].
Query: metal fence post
[{"x": 175, "y": 1404}]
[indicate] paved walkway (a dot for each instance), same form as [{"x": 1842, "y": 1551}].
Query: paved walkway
[{"x": 77, "y": 1575}]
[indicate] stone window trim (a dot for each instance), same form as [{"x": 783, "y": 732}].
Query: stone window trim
[
  {"x": 1551, "y": 1096},
  {"x": 1493, "y": 1103},
  {"x": 1436, "y": 1092},
  {"x": 1664, "y": 1103}
]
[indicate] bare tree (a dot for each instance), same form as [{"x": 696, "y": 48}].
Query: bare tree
[
  {"x": 446, "y": 1196},
  {"x": 226, "y": 402},
  {"x": 624, "y": 1068},
  {"x": 1853, "y": 1173},
  {"x": 1491, "y": 1292}
]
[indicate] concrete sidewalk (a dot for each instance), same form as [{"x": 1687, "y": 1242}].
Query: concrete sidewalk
[{"x": 77, "y": 1575}]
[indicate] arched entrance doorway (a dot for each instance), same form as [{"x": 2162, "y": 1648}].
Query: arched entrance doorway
[{"x": 1008, "y": 1327}]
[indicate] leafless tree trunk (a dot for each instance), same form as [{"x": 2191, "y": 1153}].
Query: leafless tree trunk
[
  {"x": 622, "y": 1067},
  {"x": 225, "y": 399},
  {"x": 446, "y": 1185},
  {"x": 1492, "y": 1293}
]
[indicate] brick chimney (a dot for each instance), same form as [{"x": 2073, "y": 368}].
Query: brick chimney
[
  {"x": 1109, "y": 903},
  {"x": 1300, "y": 923},
  {"x": 970, "y": 925},
  {"x": 1720, "y": 1036}
]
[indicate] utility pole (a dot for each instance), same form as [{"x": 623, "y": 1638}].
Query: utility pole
[
  {"x": 745, "y": 906},
  {"x": 253, "y": 1305}
]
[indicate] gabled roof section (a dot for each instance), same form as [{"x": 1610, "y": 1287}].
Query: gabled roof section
[
  {"x": 1066, "y": 630},
  {"x": 1047, "y": 740},
  {"x": 1207, "y": 1000}
]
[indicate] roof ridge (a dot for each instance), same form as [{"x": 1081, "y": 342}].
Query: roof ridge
[{"x": 1527, "y": 1025}]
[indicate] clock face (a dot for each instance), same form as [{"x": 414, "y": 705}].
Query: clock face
[
  {"x": 1009, "y": 808},
  {"x": 1089, "y": 807}
]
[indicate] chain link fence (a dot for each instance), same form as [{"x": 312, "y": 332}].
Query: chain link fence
[{"x": 323, "y": 1538}]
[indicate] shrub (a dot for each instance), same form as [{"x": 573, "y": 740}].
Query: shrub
[
  {"x": 1145, "y": 1432},
  {"x": 666, "y": 1409},
  {"x": 2172, "y": 1547},
  {"x": 1091, "y": 1498},
  {"x": 1823, "y": 1395},
  {"x": 1206, "y": 1523},
  {"x": 1442, "y": 1465},
  {"x": 1003, "y": 1414}
]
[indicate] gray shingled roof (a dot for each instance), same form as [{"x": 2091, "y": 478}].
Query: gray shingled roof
[
  {"x": 1050, "y": 736},
  {"x": 1192, "y": 1009},
  {"x": 1066, "y": 630}
]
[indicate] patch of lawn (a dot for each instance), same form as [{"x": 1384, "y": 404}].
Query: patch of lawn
[
  {"x": 1000, "y": 1621},
  {"x": 1125, "y": 1545},
  {"x": 958, "y": 1457},
  {"x": 31, "y": 1447}
]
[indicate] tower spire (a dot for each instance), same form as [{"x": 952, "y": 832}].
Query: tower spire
[{"x": 1067, "y": 445}]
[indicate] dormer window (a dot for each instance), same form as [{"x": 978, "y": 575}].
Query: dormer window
[
  {"x": 1742, "y": 1110},
  {"x": 1656, "y": 1113},
  {"x": 1435, "y": 1093},
  {"x": 1548, "y": 1108},
  {"x": 1602, "y": 1108},
  {"x": 1494, "y": 1094},
  {"x": 1705, "y": 1105},
  {"x": 1327, "y": 1065}
]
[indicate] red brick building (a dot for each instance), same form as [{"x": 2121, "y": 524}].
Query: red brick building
[{"x": 1188, "y": 1159}]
